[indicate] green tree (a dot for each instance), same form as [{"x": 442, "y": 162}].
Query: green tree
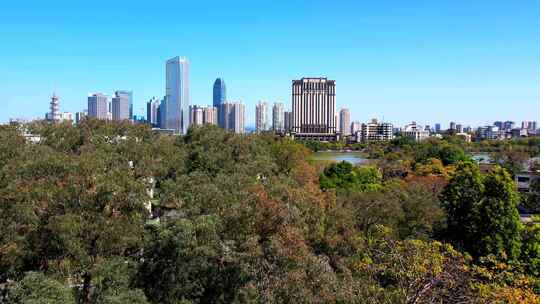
[
  {"x": 482, "y": 212},
  {"x": 187, "y": 260},
  {"x": 345, "y": 176},
  {"x": 459, "y": 199},
  {"x": 498, "y": 226},
  {"x": 530, "y": 251},
  {"x": 36, "y": 288}
]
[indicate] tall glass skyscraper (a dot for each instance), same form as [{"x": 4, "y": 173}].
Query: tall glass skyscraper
[
  {"x": 220, "y": 92},
  {"x": 177, "y": 95},
  {"x": 129, "y": 96}
]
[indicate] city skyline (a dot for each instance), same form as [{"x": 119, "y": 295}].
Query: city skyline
[{"x": 391, "y": 66}]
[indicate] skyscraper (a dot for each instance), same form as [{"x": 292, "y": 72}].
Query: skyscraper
[
  {"x": 278, "y": 120},
  {"x": 232, "y": 116},
  {"x": 98, "y": 106},
  {"x": 345, "y": 122},
  {"x": 220, "y": 92},
  {"x": 314, "y": 107},
  {"x": 261, "y": 116},
  {"x": 177, "y": 95},
  {"x": 129, "y": 96},
  {"x": 120, "y": 106},
  {"x": 152, "y": 112}
]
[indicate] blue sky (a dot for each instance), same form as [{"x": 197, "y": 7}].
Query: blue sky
[{"x": 430, "y": 61}]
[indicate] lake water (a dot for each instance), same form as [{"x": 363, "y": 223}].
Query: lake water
[
  {"x": 482, "y": 158},
  {"x": 352, "y": 157}
]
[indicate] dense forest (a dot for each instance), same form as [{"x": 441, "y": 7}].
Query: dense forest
[{"x": 250, "y": 219}]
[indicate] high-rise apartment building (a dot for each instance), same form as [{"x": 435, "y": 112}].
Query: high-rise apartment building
[
  {"x": 287, "y": 117},
  {"x": 79, "y": 116},
  {"x": 196, "y": 115},
  {"x": 355, "y": 127},
  {"x": 220, "y": 92},
  {"x": 162, "y": 113},
  {"x": 203, "y": 115},
  {"x": 66, "y": 116},
  {"x": 152, "y": 112},
  {"x": 210, "y": 115},
  {"x": 261, "y": 116},
  {"x": 508, "y": 125},
  {"x": 376, "y": 131},
  {"x": 232, "y": 116},
  {"x": 345, "y": 122},
  {"x": 177, "y": 95},
  {"x": 120, "y": 106},
  {"x": 529, "y": 125},
  {"x": 278, "y": 119},
  {"x": 98, "y": 106},
  {"x": 314, "y": 108}
]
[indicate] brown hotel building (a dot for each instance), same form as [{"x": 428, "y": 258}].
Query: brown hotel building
[{"x": 314, "y": 109}]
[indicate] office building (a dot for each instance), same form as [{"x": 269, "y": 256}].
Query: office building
[
  {"x": 490, "y": 133},
  {"x": 129, "y": 96},
  {"x": 437, "y": 128},
  {"x": 261, "y": 116},
  {"x": 375, "y": 131},
  {"x": 452, "y": 126},
  {"x": 414, "y": 132},
  {"x": 98, "y": 106},
  {"x": 314, "y": 108},
  {"x": 120, "y": 106},
  {"x": 152, "y": 112},
  {"x": 345, "y": 122},
  {"x": 232, "y": 116},
  {"x": 177, "y": 95},
  {"x": 278, "y": 119},
  {"x": 459, "y": 128},
  {"x": 220, "y": 92}
]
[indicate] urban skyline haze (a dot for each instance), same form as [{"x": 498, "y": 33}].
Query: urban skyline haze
[{"x": 470, "y": 62}]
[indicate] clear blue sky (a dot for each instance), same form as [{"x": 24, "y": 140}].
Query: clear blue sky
[{"x": 429, "y": 61}]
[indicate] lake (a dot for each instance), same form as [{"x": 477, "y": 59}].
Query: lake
[{"x": 349, "y": 156}]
